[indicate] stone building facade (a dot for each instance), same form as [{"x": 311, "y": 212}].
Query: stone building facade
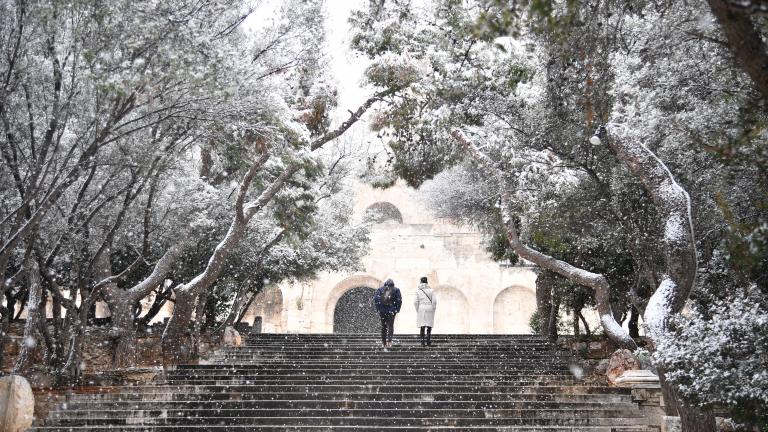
[{"x": 475, "y": 294}]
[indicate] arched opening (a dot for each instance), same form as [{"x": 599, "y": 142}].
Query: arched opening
[
  {"x": 382, "y": 212},
  {"x": 452, "y": 314},
  {"x": 355, "y": 312},
  {"x": 512, "y": 310}
]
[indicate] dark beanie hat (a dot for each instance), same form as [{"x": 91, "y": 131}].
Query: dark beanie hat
[{"x": 423, "y": 279}]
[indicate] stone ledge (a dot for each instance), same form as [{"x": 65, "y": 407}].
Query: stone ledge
[{"x": 638, "y": 376}]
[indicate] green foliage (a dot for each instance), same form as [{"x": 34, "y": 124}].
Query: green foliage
[
  {"x": 534, "y": 322},
  {"x": 500, "y": 248},
  {"x": 505, "y": 18}
]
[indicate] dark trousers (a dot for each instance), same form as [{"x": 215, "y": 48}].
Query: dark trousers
[
  {"x": 387, "y": 327},
  {"x": 428, "y": 331}
]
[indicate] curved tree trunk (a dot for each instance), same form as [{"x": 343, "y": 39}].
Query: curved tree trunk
[
  {"x": 176, "y": 345},
  {"x": 596, "y": 281},
  {"x": 177, "y": 348},
  {"x": 121, "y": 308},
  {"x": 674, "y": 206}
]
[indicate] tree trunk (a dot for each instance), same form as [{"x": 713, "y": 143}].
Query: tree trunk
[
  {"x": 745, "y": 41},
  {"x": 543, "y": 301},
  {"x": 674, "y": 206},
  {"x": 121, "y": 307},
  {"x": 693, "y": 419},
  {"x": 162, "y": 297},
  {"x": 176, "y": 337},
  {"x": 121, "y": 333},
  {"x": 245, "y": 308},
  {"x": 576, "y": 331},
  {"x": 587, "y": 331},
  {"x": 634, "y": 330},
  {"x": 596, "y": 281},
  {"x": 5, "y": 323},
  {"x": 34, "y": 316},
  {"x": 234, "y": 311},
  {"x": 177, "y": 345},
  {"x": 554, "y": 314}
]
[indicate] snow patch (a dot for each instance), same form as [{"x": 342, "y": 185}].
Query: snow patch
[
  {"x": 658, "y": 308},
  {"x": 611, "y": 327},
  {"x": 674, "y": 230}
]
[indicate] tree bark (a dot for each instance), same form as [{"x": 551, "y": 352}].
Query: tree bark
[
  {"x": 587, "y": 330},
  {"x": 234, "y": 312},
  {"x": 176, "y": 341},
  {"x": 674, "y": 207},
  {"x": 634, "y": 330},
  {"x": 175, "y": 344},
  {"x": 576, "y": 330},
  {"x": 554, "y": 314},
  {"x": 543, "y": 301},
  {"x": 745, "y": 41},
  {"x": 122, "y": 303},
  {"x": 596, "y": 281},
  {"x": 34, "y": 316}
]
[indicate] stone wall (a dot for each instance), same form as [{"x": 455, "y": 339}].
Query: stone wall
[{"x": 475, "y": 294}]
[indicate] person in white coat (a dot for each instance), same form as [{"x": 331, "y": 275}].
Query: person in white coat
[{"x": 426, "y": 303}]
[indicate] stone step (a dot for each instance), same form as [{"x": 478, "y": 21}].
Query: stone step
[
  {"x": 394, "y": 354},
  {"x": 371, "y": 377},
  {"x": 388, "y": 366},
  {"x": 326, "y": 336},
  {"x": 410, "y": 344},
  {"x": 210, "y": 415},
  {"x": 366, "y": 383},
  {"x": 357, "y": 397},
  {"x": 349, "y": 382},
  {"x": 414, "y": 346},
  {"x": 425, "y": 370},
  {"x": 320, "y": 361},
  {"x": 415, "y": 349},
  {"x": 336, "y": 404},
  {"x": 336, "y": 418},
  {"x": 309, "y": 428},
  {"x": 384, "y": 389}
]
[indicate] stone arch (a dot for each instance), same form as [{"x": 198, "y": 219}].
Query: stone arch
[
  {"x": 383, "y": 212},
  {"x": 355, "y": 313},
  {"x": 339, "y": 290},
  {"x": 452, "y": 314},
  {"x": 512, "y": 310},
  {"x": 268, "y": 305}
]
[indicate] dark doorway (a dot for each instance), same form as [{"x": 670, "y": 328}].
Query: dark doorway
[{"x": 355, "y": 312}]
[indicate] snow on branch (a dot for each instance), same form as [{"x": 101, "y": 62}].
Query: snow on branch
[
  {"x": 596, "y": 281},
  {"x": 674, "y": 207}
]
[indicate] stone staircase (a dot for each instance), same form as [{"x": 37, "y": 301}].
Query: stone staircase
[{"x": 349, "y": 382}]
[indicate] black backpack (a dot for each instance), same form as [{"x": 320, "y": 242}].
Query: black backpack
[{"x": 388, "y": 295}]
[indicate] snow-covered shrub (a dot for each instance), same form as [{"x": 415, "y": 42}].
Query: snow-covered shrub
[{"x": 719, "y": 356}]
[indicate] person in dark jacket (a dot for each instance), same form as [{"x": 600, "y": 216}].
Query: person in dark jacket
[{"x": 388, "y": 301}]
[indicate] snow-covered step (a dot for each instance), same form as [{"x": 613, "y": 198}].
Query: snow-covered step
[{"x": 349, "y": 382}]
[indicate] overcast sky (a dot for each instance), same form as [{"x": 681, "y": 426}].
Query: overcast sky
[{"x": 345, "y": 67}]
